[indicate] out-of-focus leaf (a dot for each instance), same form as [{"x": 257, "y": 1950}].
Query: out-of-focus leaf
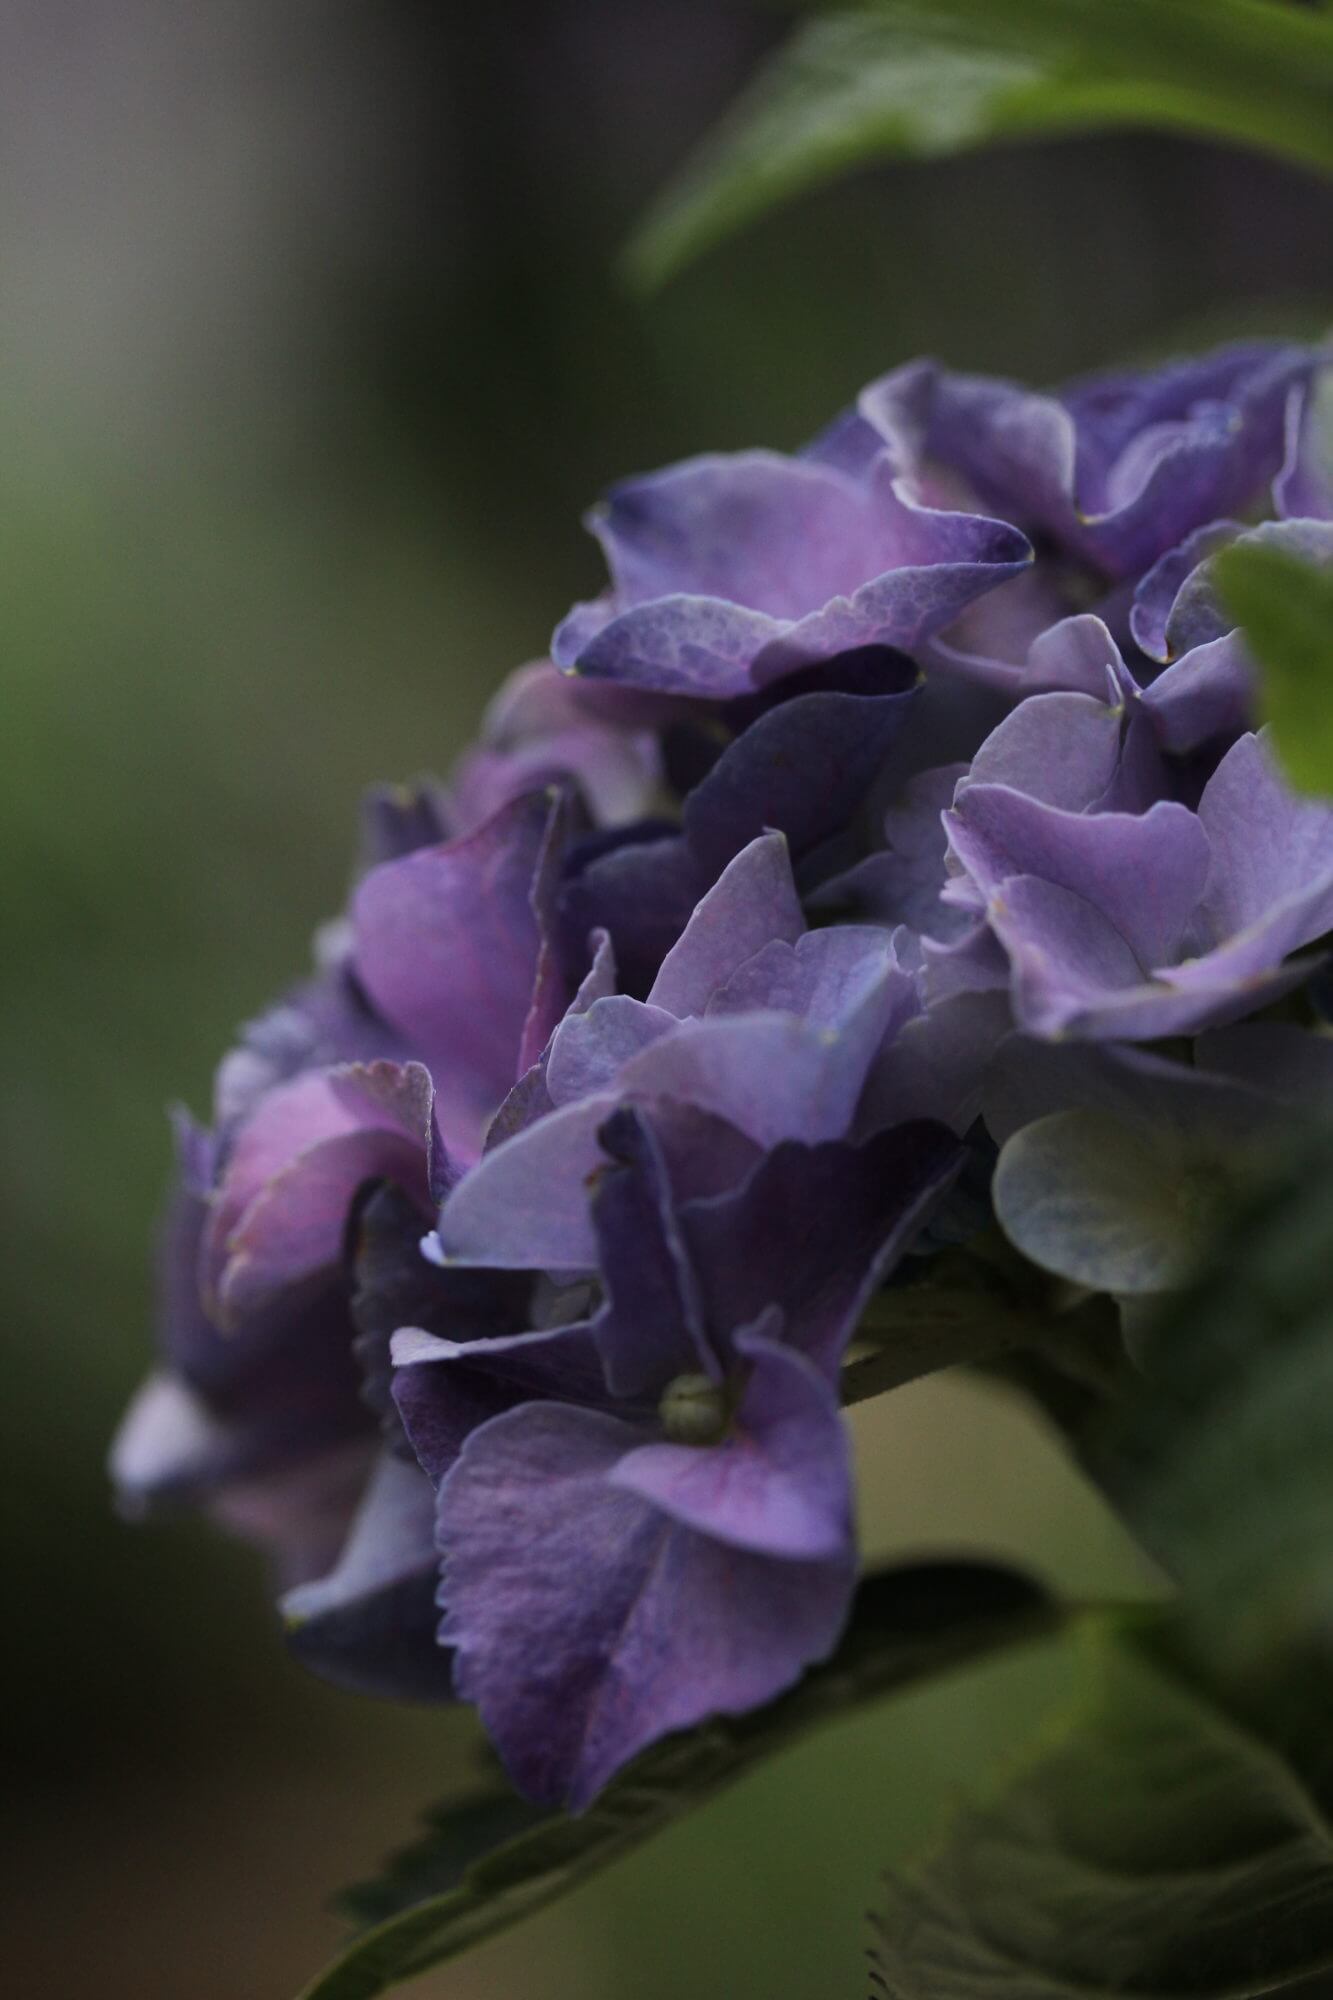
[
  {"x": 1178, "y": 1840},
  {"x": 1160, "y": 1848},
  {"x": 909, "y": 1624},
  {"x": 932, "y": 77},
  {"x": 1286, "y": 608},
  {"x": 1222, "y": 1460}
]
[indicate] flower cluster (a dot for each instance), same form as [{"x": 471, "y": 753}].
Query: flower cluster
[{"x": 895, "y": 816}]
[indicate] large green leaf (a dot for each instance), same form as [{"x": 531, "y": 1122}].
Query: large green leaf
[
  {"x": 909, "y": 1624},
  {"x": 1286, "y": 608},
  {"x": 1160, "y": 1849},
  {"x": 932, "y": 77}
]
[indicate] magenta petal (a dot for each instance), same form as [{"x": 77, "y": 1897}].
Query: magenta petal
[
  {"x": 282, "y": 1208},
  {"x": 587, "y": 1623},
  {"x": 780, "y": 1483}
]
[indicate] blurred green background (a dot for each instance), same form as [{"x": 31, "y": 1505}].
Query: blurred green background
[{"x": 313, "y": 354}]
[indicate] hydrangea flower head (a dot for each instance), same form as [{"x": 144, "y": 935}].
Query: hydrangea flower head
[{"x": 889, "y": 855}]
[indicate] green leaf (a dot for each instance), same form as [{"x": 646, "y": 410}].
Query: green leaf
[
  {"x": 1222, "y": 1459},
  {"x": 1286, "y": 608},
  {"x": 1177, "y": 1841},
  {"x": 908, "y": 1624},
  {"x": 927, "y": 78},
  {"x": 1160, "y": 1849}
]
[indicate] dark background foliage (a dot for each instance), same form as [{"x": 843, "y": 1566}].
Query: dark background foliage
[{"x": 313, "y": 353}]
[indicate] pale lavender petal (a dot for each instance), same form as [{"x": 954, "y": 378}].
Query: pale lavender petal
[
  {"x": 524, "y": 1206},
  {"x": 825, "y": 978},
  {"x": 1304, "y": 487},
  {"x": 1073, "y": 974},
  {"x": 1205, "y": 695},
  {"x": 1063, "y": 749},
  {"x": 773, "y": 1076},
  {"x": 589, "y": 1050},
  {"x": 1272, "y": 866},
  {"x": 1143, "y": 874},
  {"x": 752, "y": 901}
]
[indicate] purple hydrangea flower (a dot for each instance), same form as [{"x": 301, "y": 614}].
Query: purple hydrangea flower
[
  {"x": 674, "y": 1539},
  {"x": 1134, "y": 926},
  {"x": 893, "y": 797}
]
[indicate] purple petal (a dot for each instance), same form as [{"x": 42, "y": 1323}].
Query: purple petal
[
  {"x": 773, "y": 1076},
  {"x": 1062, "y": 749},
  {"x": 587, "y": 1623},
  {"x": 651, "y": 1327},
  {"x": 1272, "y": 871},
  {"x": 283, "y": 1205},
  {"x": 1206, "y": 695},
  {"x": 590, "y": 1050},
  {"x": 369, "y": 1624},
  {"x": 801, "y": 769},
  {"x": 825, "y": 979},
  {"x": 1142, "y": 874},
  {"x": 727, "y": 572},
  {"x": 935, "y": 1065},
  {"x": 780, "y": 1483},
  {"x": 752, "y": 901},
  {"x": 816, "y": 1229},
  {"x": 1158, "y": 595},
  {"x": 446, "y": 945},
  {"x": 524, "y": 1206}
]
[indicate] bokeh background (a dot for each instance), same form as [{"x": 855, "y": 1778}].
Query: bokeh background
[{"x": 313, "y": 352}]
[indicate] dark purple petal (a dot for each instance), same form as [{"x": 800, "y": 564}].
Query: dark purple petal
[
  {"x": 816, "y": 1229},
  {"x": 1120, "y": 469},
  {"x": 651, "y": 1327},
  {"x": 370, "y": 1623},
  {"x": 802, "y": 768}
]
